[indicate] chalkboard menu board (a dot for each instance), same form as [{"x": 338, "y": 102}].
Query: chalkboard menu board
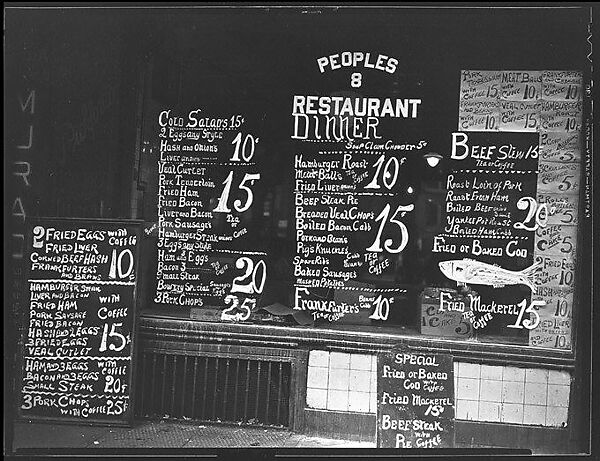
[
  {"x": 486, "y": 243},
  {"x": 77, "y": 346},
  {"x": 415, "y": 400},
  {"x": 208, "y": 173}
]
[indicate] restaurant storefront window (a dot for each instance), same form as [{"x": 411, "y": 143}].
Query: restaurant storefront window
[
  {"x": 322, "y": 187},
  {"x": 374, "y": 184}
]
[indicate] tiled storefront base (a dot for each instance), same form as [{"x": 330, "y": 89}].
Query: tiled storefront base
[
  {"x": 342, "y": 382},
  {"x": 345, "y": 382},
  {"x": 530, "y": 396}
]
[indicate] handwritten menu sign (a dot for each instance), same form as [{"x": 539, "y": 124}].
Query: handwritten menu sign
[
  {"x": 519, "y": 101},
  {"x": 415, "y": 400},
  {"x": 207, "y": 177},
  {"x": 545, "y": 186},
  {"x": 478, "y": 108},
  {"x": 441, "y": 313},
  {"x": 77, "y": 349},
  {"x": 352, "y": 195},
  {"x": 486, "y": 243},
  {"x": 558, "y": 187},
  {"x": 533, "y": 101}
]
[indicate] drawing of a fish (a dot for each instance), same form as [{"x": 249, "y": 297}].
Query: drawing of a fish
[{"x": 465, "y": 271}]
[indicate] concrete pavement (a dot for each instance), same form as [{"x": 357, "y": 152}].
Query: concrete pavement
[{"x": 164, "y": 434}]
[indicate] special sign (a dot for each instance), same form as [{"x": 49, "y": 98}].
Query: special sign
[
  {"x": 415, "y": 400},
  {"x": 77, "y": 349}
]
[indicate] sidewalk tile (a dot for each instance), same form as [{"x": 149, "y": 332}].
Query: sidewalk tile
[
  {"x": 45, "y": 435},
  {"x": 215, "y": 436},
  {"x": 149, "y": 435},
  {"x": 168, "y": 434}
]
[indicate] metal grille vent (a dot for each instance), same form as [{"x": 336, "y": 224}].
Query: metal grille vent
[{"x": 207, "y": 388}]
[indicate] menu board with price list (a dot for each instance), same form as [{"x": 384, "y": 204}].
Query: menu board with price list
[
  {"x": 415, "y": 400},
  {"x": 207, "y": 248},
  {"x": 78, "y": 342},
  {"x": 522, "y": 135}
]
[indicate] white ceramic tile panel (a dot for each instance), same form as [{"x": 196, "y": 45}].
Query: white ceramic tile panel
[
  {"x": 372, "y": 402},
  {"x": 556, "y": 416},
  {"x": 513, "y": 374},
  {"x": 490, "y": 390},
  {"x": 362, "y": 383},
  {"x": 337, "y": 400},
  {"x": 514, "y": 395},
  {"x": 512, "y": 413},
  {"x": 339, "y": 378},
  {"x": 342, "y": 382},
  {"x": 489, "y": 411},
  {"x": 318, "y": 359},
  {"x": 469, "y": 370},
  {"x": 467, "y": 409},
  {"x": 534, "y": 414},
  {"x": 316, "y": 398},
  {"x": 360, "y": 362},
  {"x": 374, "y": 363},
  {"x": 558, "y": 395},
  {"x": 513, "y": 391},
  {"x": 536, "y": 393},
  {"x": 491, "y": 372},
  {"x": 360, "y": 380},
  {"x": 536, "y": 375},
  {"x": 467, "y": 389},
  {"x": 317, "y": 377},
  {"x": 559, "y": 377},
  {"x": 339, "y": 360},
  {"x": 373, "y": 381},
  {"x": 358, "y": 401}
]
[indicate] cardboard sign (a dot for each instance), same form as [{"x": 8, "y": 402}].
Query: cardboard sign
[
  {"x": 519, "y": 116},
  {"x": 562, "y": 208},
  {"x": 442, "y": 314},
  {"x": 521, "y": 85},
  {"x": 562, "y": 85},
  {"x": 561, "y": 178},
  {"x": 563, "y": 116},
  {"x": 556, "y": 146},
  {"x": 556, "y": 318},
  {"x": 479, "y": 84}
]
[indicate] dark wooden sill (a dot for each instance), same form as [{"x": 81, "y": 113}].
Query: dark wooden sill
[{"x": 181, "y": 330}]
